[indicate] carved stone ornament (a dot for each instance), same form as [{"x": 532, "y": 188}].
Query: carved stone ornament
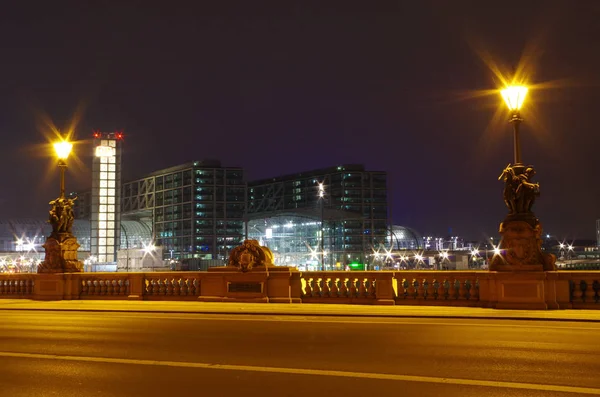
[
  {"x": 520, "y": 248},
  {"x": 250, "y": 254}
]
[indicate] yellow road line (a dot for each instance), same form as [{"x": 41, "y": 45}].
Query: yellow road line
[{"x": 313, "y": 372}]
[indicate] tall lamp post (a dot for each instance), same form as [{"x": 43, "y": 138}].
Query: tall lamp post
[
  {"x": 61, "y": 246},
  {"x": 322, "y": 200},
  {"x": 520, "y": 245}
]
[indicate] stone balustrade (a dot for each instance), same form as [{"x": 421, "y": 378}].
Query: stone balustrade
[
  {"x": 543, "y": 290},
  {"x": 441, "y": 288},
  {"x": 17, "y": 285}
]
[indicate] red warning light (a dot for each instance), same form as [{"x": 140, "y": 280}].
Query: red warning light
[
  {"x": 118, "y": 135},
  {"x": 97, "y": 134}
]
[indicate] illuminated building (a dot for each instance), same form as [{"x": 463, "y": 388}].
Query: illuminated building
[
  {"x": 106, "y": 196},
  {"x": 196, "y": 209},
  {"x": 338, "y": 212}
]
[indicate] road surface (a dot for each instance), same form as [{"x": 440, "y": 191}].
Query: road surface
[{"x": 52, "y": 353}]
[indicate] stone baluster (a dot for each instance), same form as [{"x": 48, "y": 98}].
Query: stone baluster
[
  {"x": 474, "y": 290},
  {"x": 596, "y": 288},
  {"x": 307, "y": 286},
  {"x": 184, "y": 286},
  {"x": 169, "y": 286},
  {"x": 11, "y": 286},
  {"x": 344, "y": 287},
  {"x": 316, "y": 286},
  {"x": 177, "y": 286},
  {"x": 372, "y": 290},
  {"x": 462, "y": 289},
  {"x": 325, "y": 290},
  {"x": 430, "y": 289},
  {"x": 412, "y": 291},
  {"x": 420, "y": 288},
  {"x": 362, "y": 288},
  {"x": 195, "y": 290},
  {"x": 352, "y": 291},
  {"x": 109, "y": 287},
  {"x": 162, "y": 288},
  {"x": 334, "y": 291},
  {"x": 589, "y": 292}
]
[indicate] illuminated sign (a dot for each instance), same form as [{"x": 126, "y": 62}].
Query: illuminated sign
[
  {"x": 105, "y": 151},
  {"x": 269, "y": 233}
]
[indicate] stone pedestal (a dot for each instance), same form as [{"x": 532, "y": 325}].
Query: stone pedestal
[
  {"x": 61, "y": 254},
  {"x": 522, "y": 291},
  {"x": 521, "y": 247},
  {"x": 49, "y": 287}
]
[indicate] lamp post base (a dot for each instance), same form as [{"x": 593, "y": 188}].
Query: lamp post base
[
  {"x": 61, "y": 254},
  {"x": 521, "y": 246}
]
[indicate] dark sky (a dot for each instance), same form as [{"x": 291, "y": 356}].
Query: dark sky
[{"x": 281, "y": 87}]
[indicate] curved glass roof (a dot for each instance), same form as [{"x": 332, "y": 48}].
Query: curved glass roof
[
  {"x": 35, "y": 231},
  {"x": 405, "y": 238}
]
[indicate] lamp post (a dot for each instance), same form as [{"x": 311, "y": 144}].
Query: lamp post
[
  {"x": 520, "y": 245},
  {"x": 61, "y": 246},
  {"x": 514, "y": 96},
  {"x": 321, "y": 199}
]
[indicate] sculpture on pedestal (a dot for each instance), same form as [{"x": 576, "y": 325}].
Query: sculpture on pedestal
[
  {"x": 61, "y": 246},
  {"x": 250, "y": 254}
]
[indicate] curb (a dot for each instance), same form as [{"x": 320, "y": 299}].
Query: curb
[{"x": 345, "y": 315}]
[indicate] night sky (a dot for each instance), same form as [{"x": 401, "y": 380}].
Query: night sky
[{"x": 281, "y": 87}]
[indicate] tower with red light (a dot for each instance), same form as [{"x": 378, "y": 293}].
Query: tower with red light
[{"x": 106, "y": 197}]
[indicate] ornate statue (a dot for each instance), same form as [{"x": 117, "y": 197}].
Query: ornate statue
[
  {"x": 61, "y": 215},
  {"x": 250, "y": 254},
  {"x": 61, "y": 246},
  {"x": 519, "y": 191}
]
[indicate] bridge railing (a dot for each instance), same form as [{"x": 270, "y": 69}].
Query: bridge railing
[
  {"x": 560, "y": 289},
  {"x": 17, "y": 285},
  {"x": 438, "y": 288}
]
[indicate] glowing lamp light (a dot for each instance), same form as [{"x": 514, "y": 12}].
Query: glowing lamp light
[
  {"x": 475, "y": 252},
  {"x": 497, "y": 251},
  {"x": 63, "y": 149},
  {"x": 514, "y": 96}
]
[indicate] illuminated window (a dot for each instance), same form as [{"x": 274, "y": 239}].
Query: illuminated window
[
  {"x": 111, "y": 217},
  {"x": 111, "y": 183},
  {"x": 103, "y": 167},
  {"x": 110, "y": 233},
  {"x": 102, "y": 233},
  {"x": 110, "y": 225},
  {"x": 103, "y": 200},
  {"x": 102, "y": 216},
  {"x": 111, "y": 192},
  {"x": 111, "y": 208},
  {"x": 101, "y": 258},
  {"x": 111, "y": 200},
  {"x": 112, "y": 143},
  {"x": 110, "y": 258},
  {"x": 103, "y": 183},
  {"x": 102, "y": 208},
  {"x": 102, "y": 225},
  {"x": 111, "y": 168},
  {"x": 102, "y": 192},
  {"x": 110, "y": 241},
  {"x": 104, "y": 175}
]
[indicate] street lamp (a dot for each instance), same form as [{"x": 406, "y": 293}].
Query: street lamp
[
  {"x": 61, "y": 246},
  {"x": 514, "y": 96},
  {"x": 321, "y": 195},
  {"x": 62, "y": 149}
]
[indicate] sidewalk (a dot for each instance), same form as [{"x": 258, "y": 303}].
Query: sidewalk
[{"x": 306, "y": 309}]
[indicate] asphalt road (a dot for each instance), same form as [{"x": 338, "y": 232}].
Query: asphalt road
[{"x": 45, "y": 353}]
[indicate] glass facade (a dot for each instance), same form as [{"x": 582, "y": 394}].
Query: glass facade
[
  {"x": 105, "y": 199},
  {"x": 352, "y": 210},
  {"x": 197, "y": 209}
]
